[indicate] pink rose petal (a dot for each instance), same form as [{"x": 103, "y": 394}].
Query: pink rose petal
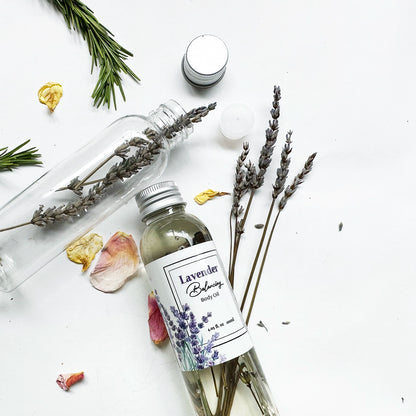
[
  {"x": 118, "y": 262},
  {"x": 157, "y": 328}
]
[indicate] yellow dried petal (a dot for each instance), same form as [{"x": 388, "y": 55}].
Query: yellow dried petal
[
  {"x": 84, "y": 250},
  {"x": 207, "y": 195},
  {"x": 50, "y": 94}
]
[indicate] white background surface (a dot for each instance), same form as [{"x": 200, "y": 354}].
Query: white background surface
[{"x": 347, "y": 73}]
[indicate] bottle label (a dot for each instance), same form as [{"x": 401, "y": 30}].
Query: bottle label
[{"x": 198, "y": 306}]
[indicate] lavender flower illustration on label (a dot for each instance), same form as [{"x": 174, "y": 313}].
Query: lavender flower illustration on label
[
  {"x": 197, "y": 303},
  {"x": 193, "y": 352}
]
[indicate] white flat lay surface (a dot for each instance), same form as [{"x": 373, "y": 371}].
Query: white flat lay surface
[{"x": 347, "y": 73}]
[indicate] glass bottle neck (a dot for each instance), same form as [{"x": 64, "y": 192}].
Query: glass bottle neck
[
  {"x": 164, "y": 212},
  {"x": 167, "y": 115}
]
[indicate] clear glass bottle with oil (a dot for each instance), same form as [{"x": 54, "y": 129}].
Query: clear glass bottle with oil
[{"x": 219, "y": 365}]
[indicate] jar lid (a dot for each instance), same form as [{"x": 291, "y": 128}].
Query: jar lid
[
  {"x": 205, "y": 61},
  {"x": 236, "y": 121},
  {"x": 158, "y": 196}
]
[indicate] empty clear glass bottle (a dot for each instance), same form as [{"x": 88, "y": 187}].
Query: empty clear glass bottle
[
  {"x": 219, "y": 365},
  {"x": 25, "y": 249}
]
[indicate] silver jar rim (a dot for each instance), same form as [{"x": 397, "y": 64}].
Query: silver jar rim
[{"x": 157, "y": 197}]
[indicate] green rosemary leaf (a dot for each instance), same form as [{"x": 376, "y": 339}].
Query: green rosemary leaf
[
  {"x": 106, "y": 53},
  {"x": 12, "y": 159}
]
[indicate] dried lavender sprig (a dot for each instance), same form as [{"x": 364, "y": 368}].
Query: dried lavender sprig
[
  {"x": 240, "y": 180},
  {"x": 266, "y": 154},
  {"x": 278, "y": 187},
  {"x": 271, "y": 137},
  {"x": 238, "y": 192},
  {"x": 119, "y": 171},
  {"x": 193, "y": 116},
  {"x": 249, "y": 180},
  {"x": 122, "y": 170},
  {"x": 76, "y": 185},
  {"x": 255, "y": 180},
  {"x": 291, "y": 189},
  {"x": 251, "y": 175},
  {"x": 283, "y": 171},
  {"x": 196, "y": 114},
  {"x": 258, "y": 179}
]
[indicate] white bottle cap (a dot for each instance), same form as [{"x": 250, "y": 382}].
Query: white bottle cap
[
  {"x": 205, "y": 61},
  {"x": 236, "y": 121}
]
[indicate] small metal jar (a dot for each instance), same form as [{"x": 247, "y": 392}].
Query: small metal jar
[{"x": 205, "y": 61}]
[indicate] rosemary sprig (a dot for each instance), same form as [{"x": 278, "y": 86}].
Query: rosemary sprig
[
  {"x": 12, "y": 159},
  {"x": 105, "y": 52}
]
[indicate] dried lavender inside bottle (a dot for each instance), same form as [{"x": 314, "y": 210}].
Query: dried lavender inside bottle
[{"x": 65, "y": 212}]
